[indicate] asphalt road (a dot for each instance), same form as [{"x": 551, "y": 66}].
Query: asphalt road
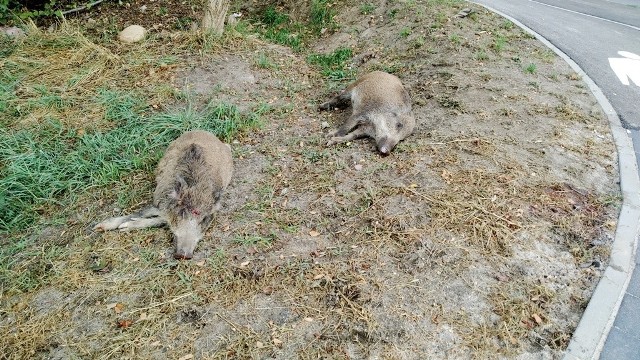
[{"x": 591, "y": 32}]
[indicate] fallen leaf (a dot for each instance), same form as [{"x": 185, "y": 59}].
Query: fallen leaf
[
  {"x": 186, "y": 357},
  {"x": 259, "y": 344},
  {"x": 200, "y": 263},
  {"x": 118, "y": 308},
  {"x": 125, "y": 323},
  {"x": 143, "y": 316},
  {"x": 155, "y": 343},
  {"x": 313, "y": 233},
  {"x": 245, "y": 263},
  {"x": 308, "y": 319},
  {"x": 537, "y": 318},
  {"x": 267, "y": 290},
  {"x": 318, "y": 277},
  {"x": 277, "y": 342}
]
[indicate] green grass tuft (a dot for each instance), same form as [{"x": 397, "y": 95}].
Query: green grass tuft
[
  {"x": 531, "y": 68},
  {"x": 334, "y": 65},
  {"x": 322, "y": 15},
  {"x": 367, "y": 8}
]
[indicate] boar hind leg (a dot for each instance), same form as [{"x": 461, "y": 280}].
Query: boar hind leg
[
  {"x": 150, "y": 215},
  {"x": 142, "y": 223},
  {"x": 111, "y": 223},
  {"x": 341, "y": 101}
]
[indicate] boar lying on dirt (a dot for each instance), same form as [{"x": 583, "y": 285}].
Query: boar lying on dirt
[
  {"x": 190, "y": 179},
  {"x": 381, "y": 110}
]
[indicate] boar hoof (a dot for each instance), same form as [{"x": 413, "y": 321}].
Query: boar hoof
[{"x": 332, "y": 141}]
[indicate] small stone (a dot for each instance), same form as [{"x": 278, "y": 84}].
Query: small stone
[
  {"x": 358, "y": 167},
  {"x": 465, "y": 12},
  {"x": 324, "y": 125},
  {"x": 12, "y": 31},
  {"x": 132, "y": 34}
]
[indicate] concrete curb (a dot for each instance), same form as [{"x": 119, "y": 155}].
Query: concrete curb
[{"x": 590, "y": 335}]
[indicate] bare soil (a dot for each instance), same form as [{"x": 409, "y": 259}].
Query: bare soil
[{"x": 482, "y": 235}]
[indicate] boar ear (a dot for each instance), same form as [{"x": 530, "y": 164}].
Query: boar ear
[
  {"x": 206, "y": 221},
  {"x": 178, "y": 187}
]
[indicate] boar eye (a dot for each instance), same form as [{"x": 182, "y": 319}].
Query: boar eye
[{"x": 399, "y": 125}]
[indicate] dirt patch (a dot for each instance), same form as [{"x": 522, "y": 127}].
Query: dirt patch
[
  {"x": 231, "y": 74},
  {"x": 482, "y": 235}
]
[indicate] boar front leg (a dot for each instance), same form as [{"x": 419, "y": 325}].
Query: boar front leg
[
  {"x": 359, "y": 131},
  {"x": 348, "y": 126}
]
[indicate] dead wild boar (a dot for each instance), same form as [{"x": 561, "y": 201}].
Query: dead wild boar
[
  {"x": 381, "y": 110},
  {"x": 190, "y": 179}
]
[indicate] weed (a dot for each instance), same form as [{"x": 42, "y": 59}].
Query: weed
[
  {"x": 248, "y": 240},
  {"x": 531, "y": 68},
  {"x": 284, "y": 36},
  {"x": 264, "y": 62},
  {"x": 448, "y": 101},
  {"x": 334, "y": 65},
  {"x": 272, "y": 17},
  {"x": 499, "y": 43},
  {"x": 322, "y": 15},
  {"x": 367, "y": 8},
  {"x": 313, "y": 156},
  {"x": 183, "y": 23},
  {"x": 455, "y": 39},
  {"x": 405, "y": 32},
  {"x": 545, "y": 55},
  {"x": 279, "y": 28},
  {"x": 419, "y": 41},
  {"x": 440, "y": 20},
  {"x": 507, "y": 25},
  {"x": 481, "y": 55}
]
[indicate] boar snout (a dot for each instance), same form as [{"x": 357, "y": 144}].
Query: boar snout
[
  {"x": 385, "y": 145},
  {"x": 187, "y": 234}
]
